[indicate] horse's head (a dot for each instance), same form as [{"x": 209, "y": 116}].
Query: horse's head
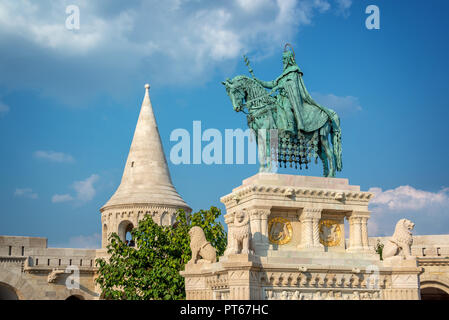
[{"x": 236, "y": 92}]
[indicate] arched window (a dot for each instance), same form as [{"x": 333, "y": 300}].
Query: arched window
[
  {"x": 166, "y": 219},
  {"x": 124, "y": 231}
]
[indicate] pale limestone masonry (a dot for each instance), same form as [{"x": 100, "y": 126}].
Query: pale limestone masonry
[
  {"x": 298, "y": 247},
  {"x": 297, "y": 266},
  {"x": 432, "y": 252},
  {"x": 146, "y": 187},
  {"x": 30, "y": 270},
  {"x": 26, "y": 263},
  {"x": 304, "y": 201}
]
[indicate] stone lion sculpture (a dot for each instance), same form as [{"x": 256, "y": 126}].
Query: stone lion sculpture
[
  {"x": 241, "y": 233},
  {"x": 400, "y": 243},
  {"x": 202, "y": 250}
]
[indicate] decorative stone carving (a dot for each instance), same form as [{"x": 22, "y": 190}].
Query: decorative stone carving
[
  {"x": 241, "y": 233},
  {"x": 340, "y": 196},
  {"x": 307, "y": 268},
  {"x": 401, "y": 242},
  {"x": 358, "y": 231},
  {"x": 290, "y": 192},
  {"x": 53, "y": 275},
  {"x": 279, "y": 230},
  {"x": 202, "y": 250},
  {"x": 309, "y": 219},
  {"x": 322, "y": 294},
  {"x": 330, "y": 233}
]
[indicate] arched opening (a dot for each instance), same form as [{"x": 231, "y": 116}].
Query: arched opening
[
  {"x": 7, "y": 292},
  {"x": 166, "y": 219},
  {"x": 124, "y": 232},
  {"x": 104, "y": 242},
  {"x": 433, "y": 293},
  {"x": 74, "y": 297}
]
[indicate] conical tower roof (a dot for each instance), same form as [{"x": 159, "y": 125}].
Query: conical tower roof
[{"x": 146, "y": 179}]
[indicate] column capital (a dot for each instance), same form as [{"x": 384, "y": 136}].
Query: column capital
[
  {"x": 358, "y": 214},
  {"x": 310, "y": 213},
  {"x": 258, "y": 211},
  {"x": 263, "y": 212}
]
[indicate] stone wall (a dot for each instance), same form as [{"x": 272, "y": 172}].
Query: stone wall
[
  {"x": 432, "y": 252},
  {"x": 32, "y": 271}
]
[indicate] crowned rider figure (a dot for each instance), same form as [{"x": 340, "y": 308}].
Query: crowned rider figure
[
  {"x": 303, "y": 129},
  {"x": 295, "y": 103}
]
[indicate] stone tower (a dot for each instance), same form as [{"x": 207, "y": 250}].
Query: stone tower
[{"x": 146, "y": 187}]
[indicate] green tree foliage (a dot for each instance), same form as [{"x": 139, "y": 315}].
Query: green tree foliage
[{"x": 150, "y": 269}]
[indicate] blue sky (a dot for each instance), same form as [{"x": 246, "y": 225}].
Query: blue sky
[{"x": 69, "y": 100}]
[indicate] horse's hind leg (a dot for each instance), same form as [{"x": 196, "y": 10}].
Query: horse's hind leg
[
  {"x": 322, "y": 155},
  {"x": 268, "y": 151},
  {"x": 324, "y": 134}
]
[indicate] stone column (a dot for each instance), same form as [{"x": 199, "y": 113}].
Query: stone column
[
  {"x": 358, "y": 232},
  {"x": 316, "y": 231},
  {"x": 357, "y": 225},
  {"x": 365, "y": 244},
  {"x": 351, "y": 233},
  {"x": 310, "y": 233},
  {"x": 255, "y": 223},
  {"x": 307, "y": 232}
]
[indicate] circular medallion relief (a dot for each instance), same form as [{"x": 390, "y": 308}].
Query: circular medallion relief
[
  {"x": 279, "y": 230},
  {"x": 330, "y": 233}
]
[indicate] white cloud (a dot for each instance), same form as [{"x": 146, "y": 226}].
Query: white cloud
[
  {"x": 171, "y": 41},
  {"x": 408, "y": 198},
  {"x": 44, "y": 24},
  {"x": 85, "y": 191},
  {"x": 61, "y": 198},
  {"x": 82, "y": 242},
  {"x": 4, "y": 109},
  {"x": 253, "y": 5},
  {"x": 343, "y": 7},
  {"x": 54, "y": 156},
  {"x": 429, "y": 210},
  {"x": 26, "y": 192},
  {"x": 341, "y": 105}
]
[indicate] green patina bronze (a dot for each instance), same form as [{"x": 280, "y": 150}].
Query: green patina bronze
[{"x": 297, "y": 128}]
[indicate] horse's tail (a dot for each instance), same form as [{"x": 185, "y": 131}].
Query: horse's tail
[{"x": 336, "y": 140}]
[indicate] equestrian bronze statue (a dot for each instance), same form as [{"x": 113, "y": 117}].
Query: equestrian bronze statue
[{"x": 297, "y": 128}]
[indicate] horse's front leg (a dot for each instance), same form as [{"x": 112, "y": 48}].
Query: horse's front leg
[{"x": 263, "y": 146}]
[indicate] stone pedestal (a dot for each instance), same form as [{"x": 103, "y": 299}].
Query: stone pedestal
[{"x": 296, "y": 227}]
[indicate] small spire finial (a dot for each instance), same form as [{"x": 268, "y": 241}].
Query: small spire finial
[{"x": 147, "y": 86}]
